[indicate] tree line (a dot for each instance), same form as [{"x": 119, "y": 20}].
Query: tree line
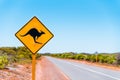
[{"x": 113, "y": 58}]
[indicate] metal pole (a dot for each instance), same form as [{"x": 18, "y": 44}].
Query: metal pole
[
  {"x": 33, "y": 66},
  {"x": 96, "y": 56}
]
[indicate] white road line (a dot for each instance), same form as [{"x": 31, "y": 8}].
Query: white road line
[
  {"x": 64, "y": 75},
  {"x": 67, "y": 77},
  {"x": 91, "y": 70}
]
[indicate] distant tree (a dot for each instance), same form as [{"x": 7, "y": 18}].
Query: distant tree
[{"x": 118, "y": 59}]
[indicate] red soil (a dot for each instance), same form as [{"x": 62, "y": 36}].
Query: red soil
[{"x": 46, "y": 70}]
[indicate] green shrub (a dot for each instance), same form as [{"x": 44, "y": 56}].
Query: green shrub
[
  {"x": 93, "y": 58},
  {"x": 3, "y": 62}
]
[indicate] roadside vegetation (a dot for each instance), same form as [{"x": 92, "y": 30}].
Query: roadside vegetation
[
  {"x": 11, "y": 55},
  {"x": 21, "y": 55},
  {"x": 107, "y": 58}
]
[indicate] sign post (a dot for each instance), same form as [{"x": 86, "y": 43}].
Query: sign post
[
  {"x": 34, "y": 35},
  {"x": 33, "y": 66}
]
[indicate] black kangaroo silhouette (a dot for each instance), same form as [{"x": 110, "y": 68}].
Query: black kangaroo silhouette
[{"x": 35, "y": 34}]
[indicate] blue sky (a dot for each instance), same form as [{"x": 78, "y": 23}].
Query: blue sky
[{"x": 77, "y": 25}]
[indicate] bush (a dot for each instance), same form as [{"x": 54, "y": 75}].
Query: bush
[
  {"x": 79, "y": 56},
  {"x": 93, "y": 58},
  {"x": 15, "y": 55},
  {"x": 3, "y": 62}
]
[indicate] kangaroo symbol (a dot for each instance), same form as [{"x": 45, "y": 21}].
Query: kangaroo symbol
[{"x": 35, "y": 34}]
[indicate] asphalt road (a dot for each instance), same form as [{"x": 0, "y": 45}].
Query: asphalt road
[{"x": 79, "y": 71}]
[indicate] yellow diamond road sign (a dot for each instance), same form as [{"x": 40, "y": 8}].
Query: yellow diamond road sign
[{"x": 34, "y": 35}]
